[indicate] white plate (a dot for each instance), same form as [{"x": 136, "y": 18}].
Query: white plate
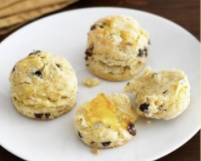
[{"x": 66, "y": 34}]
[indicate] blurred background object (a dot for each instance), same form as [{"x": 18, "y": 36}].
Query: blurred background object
[{"x": 15, "y": 13}]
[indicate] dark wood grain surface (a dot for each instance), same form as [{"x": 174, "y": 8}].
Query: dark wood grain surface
[{"x": 185, "y": 13}]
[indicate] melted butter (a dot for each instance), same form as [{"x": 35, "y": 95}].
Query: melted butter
[
  {"x": 175, "y": 86},
  {"x": 102, "y": 110},
  {"x": 124, "y": 35}
]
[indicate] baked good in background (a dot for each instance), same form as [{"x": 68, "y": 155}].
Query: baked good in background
[
  {"x": 160, "y": 95},
  {"x": 106, "y": 121},
  {"x": 116, "y": 48},
  {"x": 43, "y": 86}
]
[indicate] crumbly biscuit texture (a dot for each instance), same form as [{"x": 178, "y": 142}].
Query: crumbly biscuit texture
[
  {"x": 160, "y": 95},
  {"x": 116, "y": 48},
  {"x": 43, "y": 86},
  {"x": 107, "y": 121},
  {"x": 91, "y": 82}
]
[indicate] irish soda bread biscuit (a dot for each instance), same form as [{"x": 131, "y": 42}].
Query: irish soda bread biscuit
[
  {"x": 43, "y": 86},
  {"x": 116, "y": 48},
  {"x": 162, "y": 95},
  {"x": 107, "y": 121}
]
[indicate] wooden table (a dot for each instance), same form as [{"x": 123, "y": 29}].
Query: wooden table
[{"x": 185, "y": 13}]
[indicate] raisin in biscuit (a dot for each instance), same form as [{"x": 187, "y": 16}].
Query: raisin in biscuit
[
  {"x": 116, "y": 48},
  {"x": 105, "y": 122},
  {"x": 162, "y": 95},
  {"x": 43, "y": 86}
]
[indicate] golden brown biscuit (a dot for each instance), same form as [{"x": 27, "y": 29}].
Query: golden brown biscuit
[
  {"x": 116, "y": 48},
  {"x": 160, "y": 95},
  {"x": 43, "y": 86},
  {"x": 107, "y": 121}
]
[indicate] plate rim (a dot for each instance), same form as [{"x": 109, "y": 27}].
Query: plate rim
[
  {"x": 193, "y": 133},
  {"x": 87, "y": 8}
]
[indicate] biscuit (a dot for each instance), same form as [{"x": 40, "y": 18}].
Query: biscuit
[
  {"x": 107, "y": 121},
  {"x": 43, "y": 86},
  {"x": 160, "y": 95},
  {"x": 116, "y": 48}
]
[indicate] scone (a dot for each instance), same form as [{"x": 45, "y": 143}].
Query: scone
[
  {"x": 116, "y": 48},
  {"x": 160, "y": 95},
  {"x": 43, "y": 86},
  {"x": 107, "y": 121}
]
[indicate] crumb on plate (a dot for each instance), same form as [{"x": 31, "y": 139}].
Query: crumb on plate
[
  {"x": 95, "y": 151},
  {"x": 148, "y": 121},
  {"x": 91, "y": 82}
]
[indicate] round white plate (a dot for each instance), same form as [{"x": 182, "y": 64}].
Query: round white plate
[{"x": 66, "y": 34}]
